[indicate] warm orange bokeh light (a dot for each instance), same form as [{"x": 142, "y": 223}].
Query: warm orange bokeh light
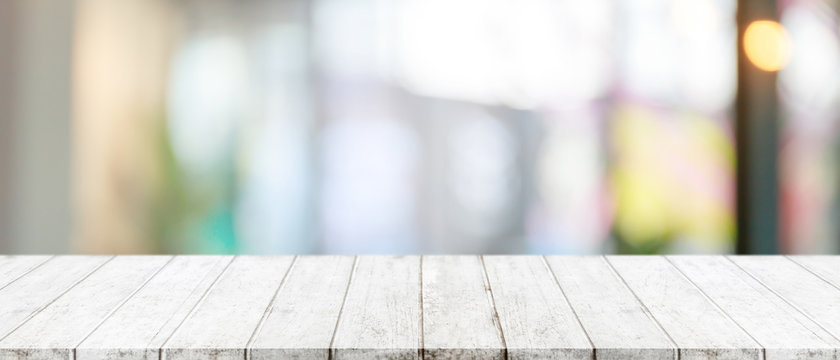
[{"x": 767, "y": 45}]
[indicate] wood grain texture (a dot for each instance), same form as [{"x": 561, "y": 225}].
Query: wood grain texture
[
  {"x": 826, "y": 267},
  {"x": 13, "y": 267},
  {"x": 808, "y": 293},
  {"x": 698, "y": 327},
  {"x": 615, "y": 321},
  {"x": 25, "y": 297},
  {"x": 381, "y": 316},
  {"x": 536, "y": 320},
  {"x": 139, "y": 328},
  {"x": 60, "y": 327},
  {"x": 303, "y": 317},
  {"x": 456, "y": 297},
  {"x": 223, "y": 322},
  {"x": 411, "y": 307},
  {"x": 783, "y": 331}
]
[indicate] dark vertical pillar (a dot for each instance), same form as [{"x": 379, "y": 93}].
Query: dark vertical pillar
[{"x": 757, "y": 133}]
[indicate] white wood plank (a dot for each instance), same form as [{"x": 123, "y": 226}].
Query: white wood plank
[
  {"x": 56, "y": 330},
  {"x": 25, "y": 297},
  {"x": 139, "y": 328},
  {"x": 380, "y": 317},
  {"x": 389, "y": 307},
  {"x": 13, "y": 267},
  {"x": 224, "y": 321},
  {"x": 615, "y": 321},
  {"x": 535, "y": 317},
  {"x": 825, "y": 266},
  {"x": 784, "y": 332},
  {"x": 303, "y": 317},
  {"x": 816, "y": 298},
  {"x": 458, "y": 315},
  {"x": 699, "y": 329}
]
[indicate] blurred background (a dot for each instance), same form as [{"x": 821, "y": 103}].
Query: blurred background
[{"x": 419, "y": 126}]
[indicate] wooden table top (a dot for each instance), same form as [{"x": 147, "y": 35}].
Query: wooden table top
[{"x": 408, "y": 307}]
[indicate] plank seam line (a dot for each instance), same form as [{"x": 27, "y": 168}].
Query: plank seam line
[
  {"x": 718, "y": 307},
  {"x": 184, "y": 302},
  {"x": 569, "y": 303},
  {"x": 821, "y": 278},
  {"x": 812, "y": 272},
  {"x": 268, "y": 309},
  {"x": 27, "y": 272},
  {"x": 492, "y": 300},
  {"x": 161, "y": 353},
  {"x": 65, "y": 291},
  {"x": 645, "y": 309},
  {"x": 330, "y": 352},
  {"x": 123, "y": 302},
  {"x": 422, "y": 350},
  {"x": 797, "y": 308}
]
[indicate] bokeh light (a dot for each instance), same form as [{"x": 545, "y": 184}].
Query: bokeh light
[{"x": 767, "y": 45}]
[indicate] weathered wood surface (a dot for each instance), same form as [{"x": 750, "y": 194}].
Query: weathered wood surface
[
  {"x": 23, "y": 297},
  {"x": 459, "y": 320},
  {"x": 536, "y": 319},
  {"x": 223, "y": 322},
  {"x": 79, "y": 311},
  {"x": 413, "y": 307},
  {"x": 799, "y": 287},
  {"x": 139, "y": 328},
  {"x": 618, "y": 325},
  {"x": 695, "y": 324},
  {"x": 302, "y": 319},
  {"x": 13, "y": 267},
  {"x": 381, "y": 314},
  {"x": 781, "y": 330}
]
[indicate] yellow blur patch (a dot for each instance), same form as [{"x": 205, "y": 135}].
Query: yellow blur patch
[{"x": 767, "y": 45}]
